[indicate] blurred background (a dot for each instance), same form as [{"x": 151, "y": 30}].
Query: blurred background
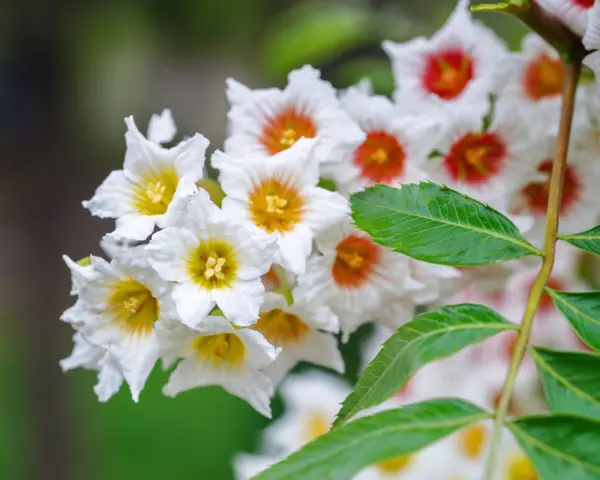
[{"x": 69, "y": 73}]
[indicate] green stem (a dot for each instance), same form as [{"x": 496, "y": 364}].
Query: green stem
[{"x": 572, "y": 72}]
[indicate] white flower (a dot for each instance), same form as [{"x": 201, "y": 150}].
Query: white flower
[
  {"x": 153, "y": 185},
  {"x": 312, "y": 400},
  {"x": 81, "y": 272},
  {"x": 280, "y": 195},
  {"x": 217, "y": 353},
  {"x": 579, "y": 206},
  {"x": 396, "y": 143},
  {"x": 247, "y": 466},
  {"x": 118, "y": 310},
  {"x": 487, "y": 164},
  {"x": 454, "y": 67},
  {"x": 269, "y": 121},
  {"x": 353, "y": 276},
  {"x": 572, "y": 13},
  {"x": 92, "y": 357},
  {"x": 304, "y": 333},
  {"x": 213, "y": 260},
  {"x": 533, "y": 78},
  {"x": 161, "y": 128}
]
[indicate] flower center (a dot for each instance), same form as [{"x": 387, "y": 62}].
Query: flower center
[
  {"x": 475, "y": 158},
  {"x": 281, "y": 328},
  {"x": 213, "y": 264},
  {"x": 276, "y": 205},
  {"x": 286, "y": 128},
  {"x": 536, "y": 194},
  {"x": 395, "y": 465},
  {"x": 520, "y": 468},
  {"x": 222, "y": 349},
  {"x": 380, "y": 158},
  {"x": 316, "y": 425},
  {"x": 356, "y": 257},
  {"x": 134, "y": 308},
  {"x": 543, "y": 77},
  {"x": 585, "y": 4},
  {"x": 472, "y": 441},
  {"x": 154, "y": 194},
  {"x": 448, "y": 73}
]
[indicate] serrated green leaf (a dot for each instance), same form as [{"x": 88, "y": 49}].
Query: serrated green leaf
[
  {"x": 435, "y": 224},
  {"x": 588, "y": 240},
  {"x": 561, "y": 447},
  {"x": 582, "y": 310},
  {"x": 571, "y": 381},
  {"x": 346, "y": 450},
  {"x": 428, "y": 337}
]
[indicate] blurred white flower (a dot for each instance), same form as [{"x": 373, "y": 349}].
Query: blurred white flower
[{"x": 575, "y": 14}]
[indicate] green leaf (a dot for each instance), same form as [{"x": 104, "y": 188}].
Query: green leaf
[
  {"x": 344, "y": 451},
  {"x": 582, "y": 310},
  {"x": 571, "y": 381},
  {"x": 432, "y": 223},
  {"x": 588, "y": 240},
  {"x": 561, "y": 447},
  {"x": 428, "y": 337}
]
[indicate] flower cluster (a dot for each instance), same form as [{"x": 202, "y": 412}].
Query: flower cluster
[{"x": 236, "y": 291}]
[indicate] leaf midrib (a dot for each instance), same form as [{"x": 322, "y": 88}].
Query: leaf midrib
[
  {"x": 491, "y": 233},
  {"x": 497, "y": 326},
  {"x": 548, "y": 368},
  {"x": 392, "y": 428},
  {"x": 551, "y": 450}
]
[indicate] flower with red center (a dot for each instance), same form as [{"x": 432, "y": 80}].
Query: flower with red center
[
  {"x": 396, "y": 142},
  {"x": 489, "y": 165},
  {"x": 543, "y": 77},
  {"x": 459, "y": 63},
  {"x": 270, "y": 121},
  {"x": 448, "y": 73},
  {"x": 280, "y": 196},
  {"x": 304, "y": 332},
  {"x": 476, "y": 157},
  {"x": 354, "y": 276},
  {"x": 574, "y": 14},
  {"x": 579, "y": 200}
]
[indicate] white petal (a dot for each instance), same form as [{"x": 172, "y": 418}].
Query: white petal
[
  {"x": 190, "y": 156},
  {"x": 168, "y": 253},
  {"x": 260, "y": 352},
  {"x": 109, "y": 380},
  {"x": 113, "y": 198},
  {"x": 134, "y": 226},
  {"x": 193, "y": 303},
  {"x": 241, "y": 303},
  {"x": 161, "y": 128},
  {"x": 294, "y": 249}
]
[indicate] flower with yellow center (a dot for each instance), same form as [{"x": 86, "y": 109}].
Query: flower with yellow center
[
  {"x": 303, "y": 331},
  {"x": 280, "y": 196},
  {"x": 520, "y": 468},
  {"x": 154, "y": 183},
  {"x": 217, "y": 353},
  {"x": 213, "y": 260},
  {"x": 118, "y": 310},
  {"x": 270, "y": 121}
]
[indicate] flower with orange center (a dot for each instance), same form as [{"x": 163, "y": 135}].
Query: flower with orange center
[
  {"x": 356, "y": 258},
  {"x": 543, "y": 77},
  {"x": 355, "y": 277},
  {"x": 380, "y": 158},
  {"x": 119, "y": 308},
  {"x": 448, "y": 73},
  {"x": 270, "y": 121},
  {"x": 304, "y": 333},
  {"x": 217, "y": 353},
  {"x": 476, "y": 157},
  {"x": 285, "y": 128},
  {"x": 154, "y": 183},
  {"x": 280, "y": 196},
  {"x": 536, "y": 194}
]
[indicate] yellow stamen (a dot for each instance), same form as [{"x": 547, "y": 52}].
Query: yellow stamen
[
  {"x": 221, "y": 349},
  {"x": 155, "y": 192},
  {"x": 379, "y": 156},
  {"x": 275, "y": 204},
  {"x": 289, "y": 137}
]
